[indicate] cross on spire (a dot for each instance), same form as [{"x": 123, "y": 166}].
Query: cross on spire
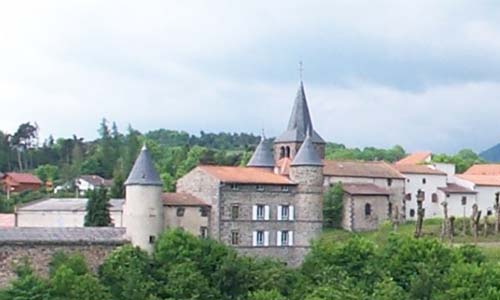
[{"x": 301, "y": 68}]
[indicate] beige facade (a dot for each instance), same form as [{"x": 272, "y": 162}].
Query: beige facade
[
  {"x": 59, "y": 218},
  {"x": 193, "y": 219}
]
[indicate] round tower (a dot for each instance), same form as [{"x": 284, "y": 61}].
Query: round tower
[
  {"x": 306, "y": 170},
  {"x": 143, "y": 209},
  {"x": 262, "y": 158}
]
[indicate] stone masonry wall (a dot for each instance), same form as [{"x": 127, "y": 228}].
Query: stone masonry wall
[{"x": 40, "y": 255}]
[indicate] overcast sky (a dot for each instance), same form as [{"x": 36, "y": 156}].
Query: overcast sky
[{"x": 422, "y": 74}]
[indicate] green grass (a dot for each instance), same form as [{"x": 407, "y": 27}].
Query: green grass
[{"x": 490, "y": 244}]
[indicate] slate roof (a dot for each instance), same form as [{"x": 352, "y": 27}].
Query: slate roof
[
  {"x": 415, "y": 158},
  {"x": 307, "y": 155},
  {"x": 486, "y": 169},
  {"x": 364, "y": 189},
  {"x": 484, "y": 180},
  {"x": 452, "y": 188},
  {"x": 245, "y": 175},
  {"x": 300, "y": 121},
  {"x": 60, "y": 235},
  {"x": 143, "y": 172},
  {"x": 263, "y": 155},
  {"x": 25, "y": 178},
  {"x": 182, "y": 199},
  {"x": 66, "y": 204},
  {"x": 368, "y": 169},
  {"x": 418, "y": 169}
]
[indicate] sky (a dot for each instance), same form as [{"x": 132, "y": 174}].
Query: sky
[{"x": 422, "y": 74}]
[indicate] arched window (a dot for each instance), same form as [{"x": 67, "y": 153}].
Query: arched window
[
  {"x": 368, "y": 209},
  {"x": 282, "y": 152},
  {"x": 287, "y": 151}
]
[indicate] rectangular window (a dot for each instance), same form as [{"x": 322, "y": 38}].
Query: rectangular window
[
  {"x": 152, "y": 239},
  {"x": 260, "y": 188},
  {"x": 285, "y": 212},
  {"x": 284, "y": 238},
  {"x": 180, "y": 211},
  {"x": 235, "y": 211},
  {"x": 203, "y": 211},
  {"x": 234, "y": 187},
  {"x": 203, "y": 232},
  {"x": 235, "y": 237},
  {"x": 284, "y": 189},
  {"x": 464, "y": 200},
  {"x": 260, "y": 238},
  {"x": 389, "y": 181},
  {"x": 260, "y": 212}
]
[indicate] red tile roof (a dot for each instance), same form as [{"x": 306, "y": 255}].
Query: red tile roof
[
  {"x": 486, "y": 169},
  {"x": 370, "y": 169},
  {"x": 486, "y": 180},
  {"x": 25, "y": 178},
  {"x": 245, "y": 175},
  {"x": 366, "y": 189},
  {"x": 415, "y": 158},
  {"x": 418, "y": 169},
  {"x": 7, "y": 220},
  {"x": 182, "y": 199}
]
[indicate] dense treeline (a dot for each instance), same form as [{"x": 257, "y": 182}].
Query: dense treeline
[{"x": 184, "y": 267}]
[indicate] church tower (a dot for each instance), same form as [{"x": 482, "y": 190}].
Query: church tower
[
  {"x": 143, "y": 208},
  {"x": 288, "y": 143},
  {"x": 306, "y": 170}
]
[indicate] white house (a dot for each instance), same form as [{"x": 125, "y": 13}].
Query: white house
[
  {"x": 86, "y": 183},
  {"x": 428, "y": 180}
]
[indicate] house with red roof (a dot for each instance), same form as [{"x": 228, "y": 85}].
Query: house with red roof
[{"x": 20, "y": 182}]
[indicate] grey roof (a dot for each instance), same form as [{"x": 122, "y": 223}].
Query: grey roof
[
  {"x": 66, "y": 204},
  {"x": 60, "y": 235},
  {"x": 263, "y": 156},
  {"x": 307, "y": 155},
  {"x": 96, "y": 180},
  {"x": 300, "y": 121},
  {"x": 143, "y": 172}
]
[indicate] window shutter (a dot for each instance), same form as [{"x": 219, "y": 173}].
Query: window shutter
[
  {"x": 291, "y": 213},
  {"x": 279, "y": 212},
  {"x": 266, "y": 238},
  {"x": 290, "y": 238},
  {"x": 266, "y": 212},
  {"x": 254, "y": 242},
  {"x": 254, "y": 212},
  {"x": 278, "y": 238}
]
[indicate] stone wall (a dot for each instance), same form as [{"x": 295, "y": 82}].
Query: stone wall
[
  {"x": 40, "y": 255},
  {"x": 192, "y": 220}
]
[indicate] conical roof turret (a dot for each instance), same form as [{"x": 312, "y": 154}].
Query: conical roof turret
[
  {"x": 307, "y": 154},
  {"x": 143, "y": 172},
  {"x": 262, "y": 156},
  {"x": 300, "y": 121}
]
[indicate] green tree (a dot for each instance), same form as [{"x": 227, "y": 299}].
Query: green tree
[
  {"x": 27, "y": 285},
  {"x": 333, "y": 201},
  {"x": 117, "y": 189},
  {"x": 47, "y": 173},
  {"x": 97, "y": 211},
  {"x": 266, "y": 295}
]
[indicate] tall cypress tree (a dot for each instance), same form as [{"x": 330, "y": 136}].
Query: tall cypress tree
[{"x": 98, "y": 208}]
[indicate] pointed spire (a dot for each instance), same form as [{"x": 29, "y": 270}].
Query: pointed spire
[
  {"x": 143, "y": 172},
  {"x": 307, "y": 154},
  {"x": 300, "y": 121},
  {"x": 263, "y": 155}
]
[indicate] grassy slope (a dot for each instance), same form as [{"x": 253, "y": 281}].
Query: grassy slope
[{"x": 490, "y": 244}]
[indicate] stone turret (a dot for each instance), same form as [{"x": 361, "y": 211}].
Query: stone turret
[
  {"x": 288, "y": 143},
  {"x": 263, "y": 156},
  {"x": 143, "y": 210},
  {"x": 306, "y": 170}
]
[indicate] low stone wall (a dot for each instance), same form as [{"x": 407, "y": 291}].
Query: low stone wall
[{"x": 40, "y": 255}]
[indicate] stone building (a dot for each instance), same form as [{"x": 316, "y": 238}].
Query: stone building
[{"x": 365, "y": 206}]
